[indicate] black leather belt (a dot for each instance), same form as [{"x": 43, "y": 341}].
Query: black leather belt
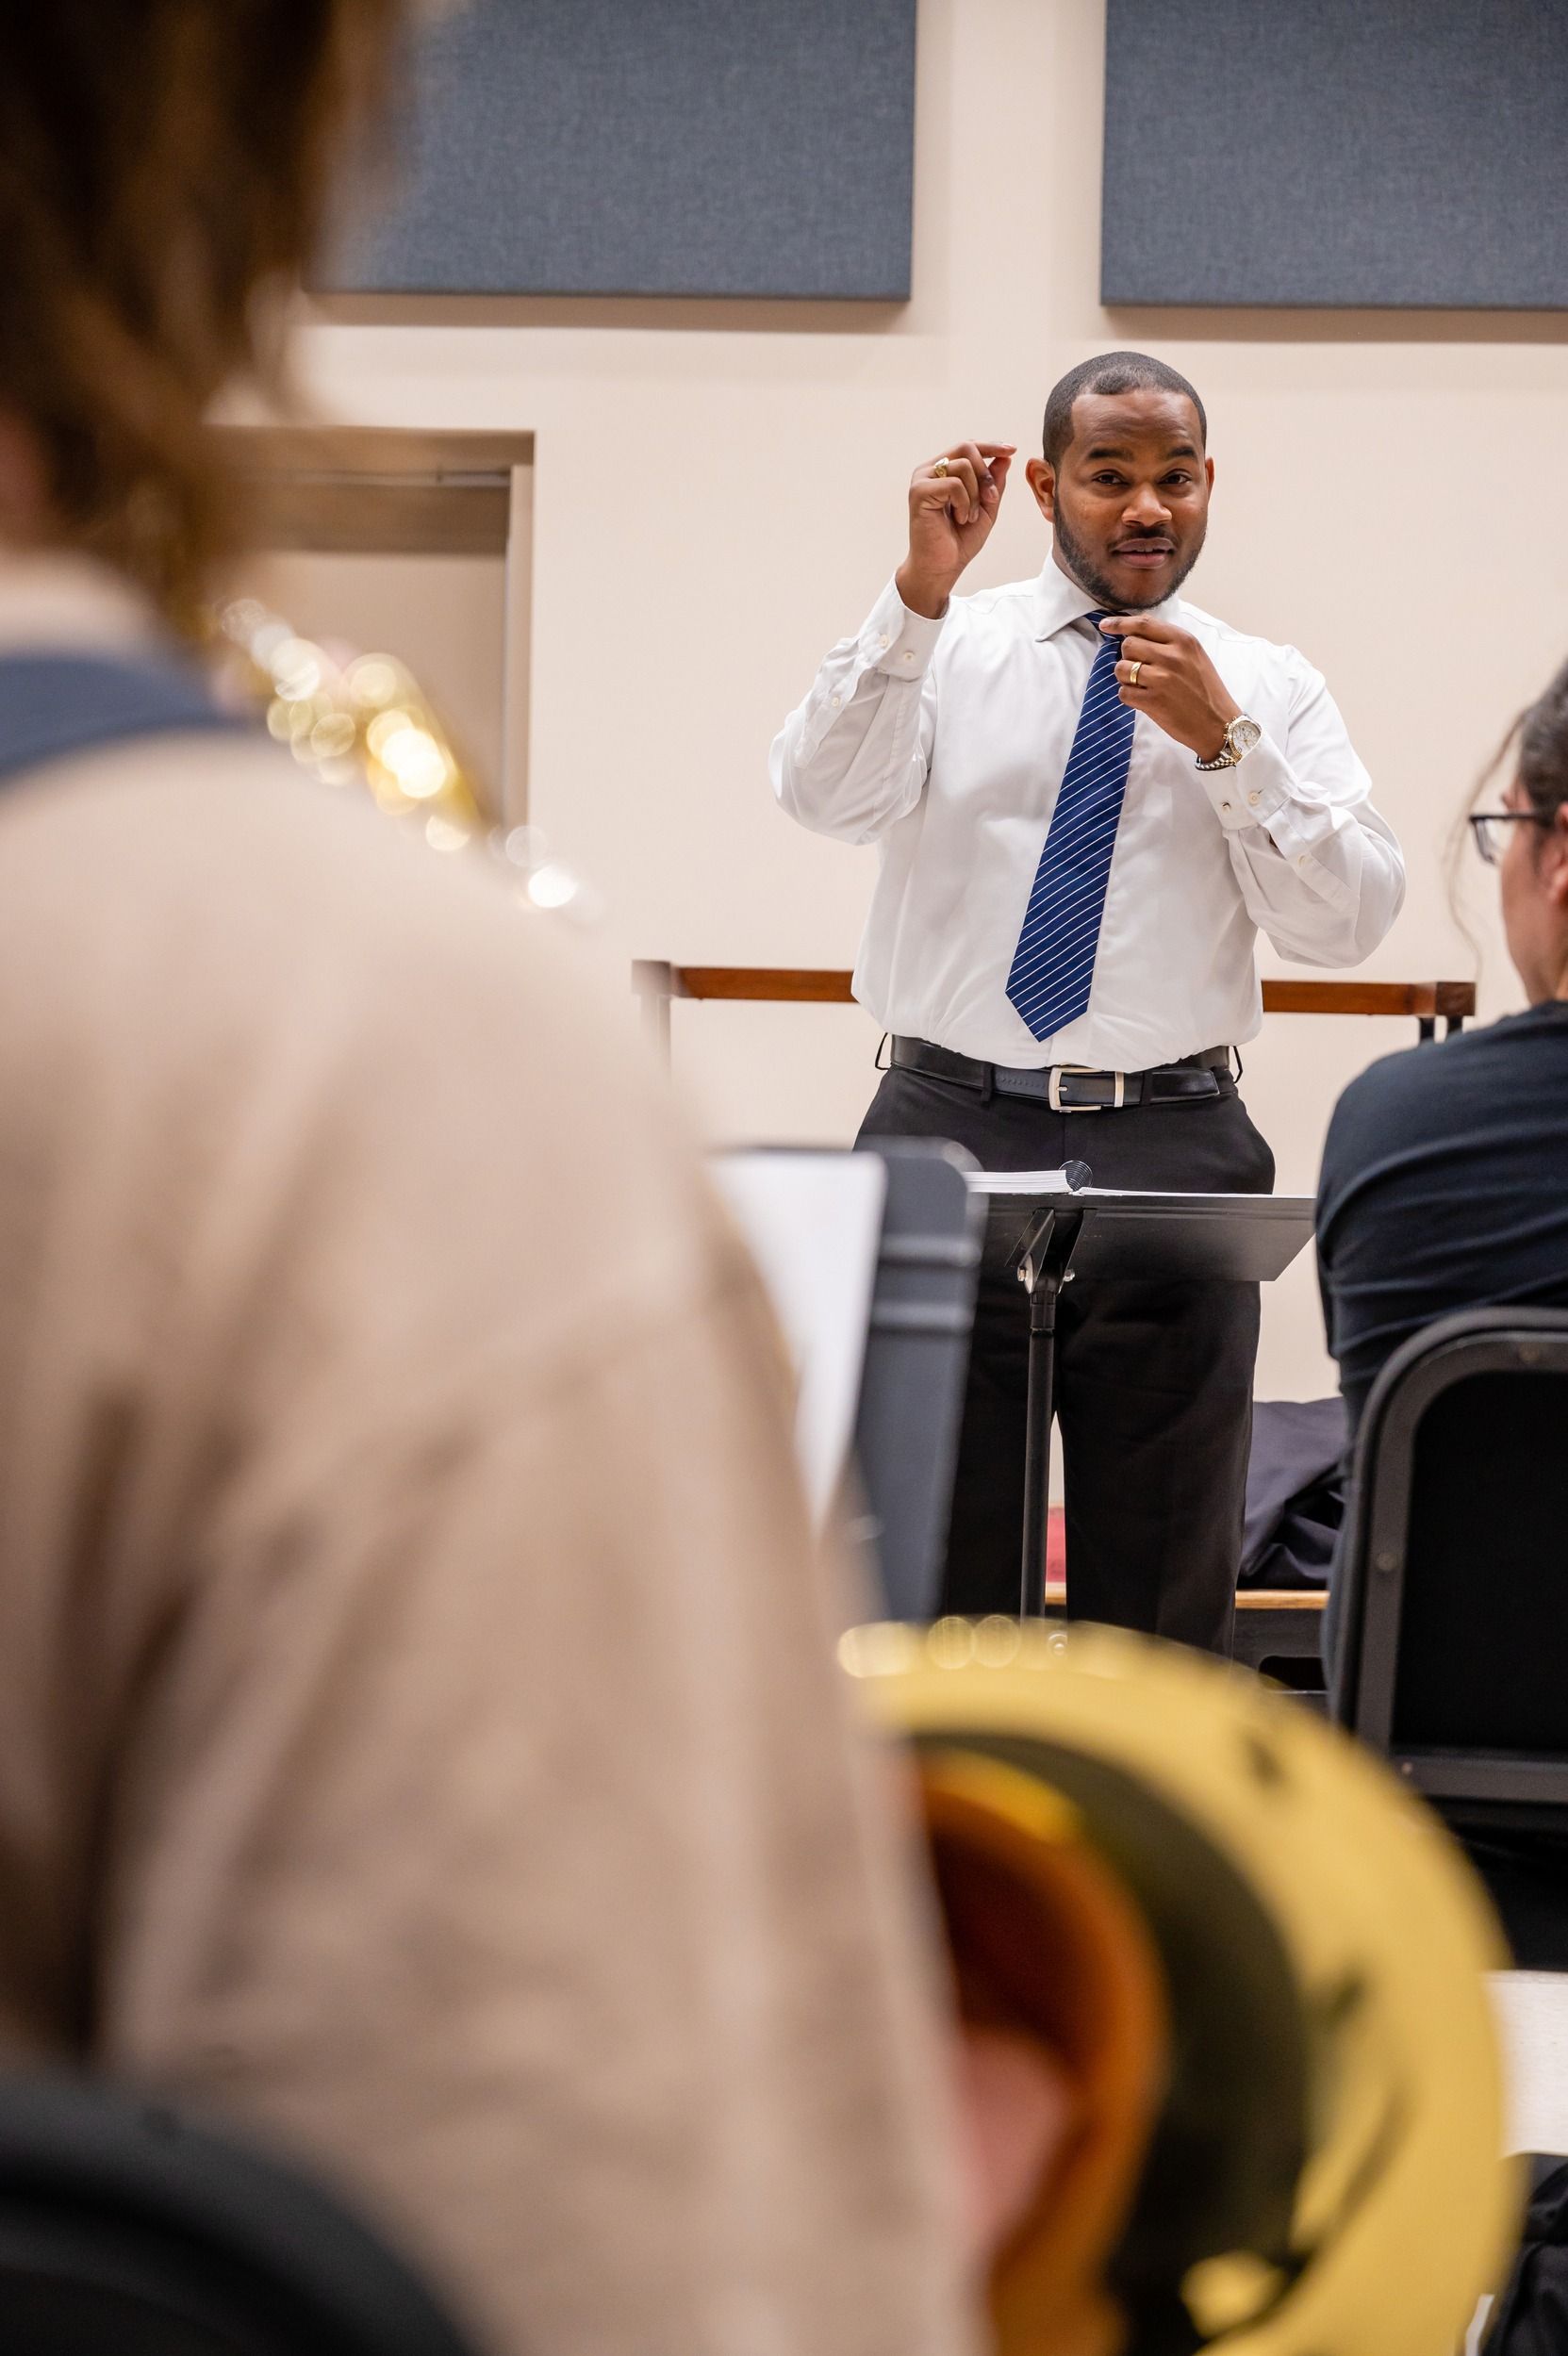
[{"x": 1068, "y": 1087}]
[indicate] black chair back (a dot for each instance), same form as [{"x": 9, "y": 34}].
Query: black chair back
[
  {"x": 1454, "y": 1584},
  {"x": 128, "y": 2229},
  {"x": 917, "y": 1364}
]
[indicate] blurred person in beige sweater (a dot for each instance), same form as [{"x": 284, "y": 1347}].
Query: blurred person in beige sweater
[{"x": 419, "y": 1729}]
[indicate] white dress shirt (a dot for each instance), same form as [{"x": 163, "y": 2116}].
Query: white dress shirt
[{"x": 945, "y": 742}]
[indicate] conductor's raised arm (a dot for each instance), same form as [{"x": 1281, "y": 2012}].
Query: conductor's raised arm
[
  {"x": 954, "y": 501},
  {"x": 1088, "y": 798},
  {"x": 851, "y": 759}
]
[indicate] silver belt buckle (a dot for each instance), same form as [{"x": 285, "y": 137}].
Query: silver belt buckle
[{"x": 1053, "y": 1090}]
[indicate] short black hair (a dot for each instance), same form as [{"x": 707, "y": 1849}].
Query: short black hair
[{"x": 1111, "y": 372}]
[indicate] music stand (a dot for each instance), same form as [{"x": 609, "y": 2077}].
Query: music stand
[
  {"x": 917, "y": 1362},
  {"x": 1054, "y": 1228},
  {"x": 872, "y": 1260}
]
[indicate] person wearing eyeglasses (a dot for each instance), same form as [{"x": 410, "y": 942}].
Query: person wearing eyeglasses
[
  {"x": 1416, "y": 1143},
  {"x": 1420, "y": 1137}
]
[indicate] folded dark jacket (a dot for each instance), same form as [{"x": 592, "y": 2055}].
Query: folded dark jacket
[{"x": 1296, "y": 1487}]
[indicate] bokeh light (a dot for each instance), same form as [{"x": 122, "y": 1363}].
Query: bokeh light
[{"x": 362, "y": 718}]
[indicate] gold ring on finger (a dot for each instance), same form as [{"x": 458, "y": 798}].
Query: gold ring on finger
[
  {"x": 1132, "y": 670},
  {"x": 941, "y": 467}
]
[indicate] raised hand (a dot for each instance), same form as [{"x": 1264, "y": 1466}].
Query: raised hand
[{"x": 952, "y": 505}]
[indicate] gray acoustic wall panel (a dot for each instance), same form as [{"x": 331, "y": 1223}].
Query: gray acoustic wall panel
[
  {"x": 1337, "y": 152},
  {"x": 695, "y": 147}
]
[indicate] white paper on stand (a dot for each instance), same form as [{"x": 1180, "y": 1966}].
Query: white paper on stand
[
  {"x": 1019, "y": 1183},
  {"x": 1033, "y": 1183},
  {"x": 813, "y": 1222}
]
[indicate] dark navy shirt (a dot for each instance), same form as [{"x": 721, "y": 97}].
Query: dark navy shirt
[{"x": 1444, "y": 1186}]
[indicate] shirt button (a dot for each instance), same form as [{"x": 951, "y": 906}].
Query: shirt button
[
  {"x": 1225, "y": 809},
  {"x": 1254, "y": 799},
  {"x": 885, "y": 640},
  {"x": 837, "y": 701},
  {"x": 908, "y": 656},
  {"x": 1301, "y": 859}
]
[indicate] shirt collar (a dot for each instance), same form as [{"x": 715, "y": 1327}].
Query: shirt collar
[{"x": 1059, "y": 602}]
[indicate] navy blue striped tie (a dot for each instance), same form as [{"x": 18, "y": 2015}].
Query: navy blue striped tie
[{"x": 1053, "y": 966}]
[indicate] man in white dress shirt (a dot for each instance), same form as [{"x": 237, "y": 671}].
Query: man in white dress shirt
[{"x": 1078, "y": 842}]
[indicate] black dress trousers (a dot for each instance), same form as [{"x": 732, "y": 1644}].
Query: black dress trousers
[{"x": 1153, "y": 1381}]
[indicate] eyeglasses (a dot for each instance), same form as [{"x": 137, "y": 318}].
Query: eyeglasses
[{"x": 1487, "y": 828}]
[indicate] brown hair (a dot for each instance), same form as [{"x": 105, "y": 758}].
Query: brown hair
[
  {"x": 1536, "y": 750},
  {"x": 1536, "y": 744},
  {"x": 1543, "y": 765},
  {"x": 163, "y": 166}
]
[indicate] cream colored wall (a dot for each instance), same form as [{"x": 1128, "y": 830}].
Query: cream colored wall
[{"x": 719, "y": 494}]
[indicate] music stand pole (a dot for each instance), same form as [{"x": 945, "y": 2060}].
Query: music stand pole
[
  {"x": 1114, "y": 1236},
  {"x": 1040, "y": 1272}
]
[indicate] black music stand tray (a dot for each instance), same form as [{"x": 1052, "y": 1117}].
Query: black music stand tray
[{"x": 1055, "y": 1229}]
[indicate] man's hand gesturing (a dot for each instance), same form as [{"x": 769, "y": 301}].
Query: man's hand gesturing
[
  {"x": 952, "y": 505},
  {"x": 1164, "y": 672}
]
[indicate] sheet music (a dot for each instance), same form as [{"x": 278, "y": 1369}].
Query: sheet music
[
  {"x": 813, "y": 1222},
  {"x": 1020, "y": 1182},
  {"x": 1047, "y": 1183}
]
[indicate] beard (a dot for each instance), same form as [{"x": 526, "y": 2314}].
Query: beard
[{"x": 1086, "y": 573}]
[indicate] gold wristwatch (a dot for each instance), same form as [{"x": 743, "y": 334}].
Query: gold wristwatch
[{"x": 1241, "y": 734}]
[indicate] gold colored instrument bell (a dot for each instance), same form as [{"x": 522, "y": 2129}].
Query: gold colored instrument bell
[{"x": 1261, "y": 1965}]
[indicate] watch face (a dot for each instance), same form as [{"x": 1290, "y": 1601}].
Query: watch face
[{"x": 1243, "y": 734}]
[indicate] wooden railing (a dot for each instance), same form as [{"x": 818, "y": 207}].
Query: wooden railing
[{"x": 657, "y": 985}]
